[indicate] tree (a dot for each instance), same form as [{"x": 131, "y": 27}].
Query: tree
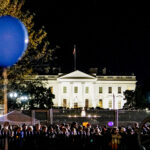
[
  {"x": 38, "y": 52},
  {"x": 39, "y": 97},
  {"x": 136, "y": 99},
  {"x": 12, "y": 103},
  {"x": 130, "y": 98},
  {"x": 38, "y": 49}
]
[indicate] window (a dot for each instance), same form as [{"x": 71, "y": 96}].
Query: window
[
  {"x": 64, "y": 103},
  {"x": 119, "y": 90},
  {"x": 110, "y": 104},
  {"x": 75, "y": 89},
  {"x": 101, "y": 103},
  {"x": 119, "y": 104},
  {"x": 64, "y": 89},
  {"x": 87, "y": 90},
  {"x": 109, "y": 89},
  {"x": 100, "y": 90},
  {"x": 51, "y": 88},
  {"x": 75, "y": 105},
  {"x": 86, "y": 103}
]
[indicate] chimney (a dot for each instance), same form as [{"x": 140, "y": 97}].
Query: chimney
[
  {"x": 60, "y": 74},
  {"x": 93, "y": 71},
  {"x": 132, "y": 74},
  {"x": 104, "y": 71}
]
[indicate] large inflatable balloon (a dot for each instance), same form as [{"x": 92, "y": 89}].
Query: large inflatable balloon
[{"x": 13, "y": 40}]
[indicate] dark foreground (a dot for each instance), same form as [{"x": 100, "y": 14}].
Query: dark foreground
[{"x": 70, "y": 137}]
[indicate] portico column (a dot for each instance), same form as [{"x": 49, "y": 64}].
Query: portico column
[
  {"x": 71, "y": 95},
  {"x": 83, "y": 98},
  {"x": 92, "y": 95},
  {"x": 59, "y": 94}
]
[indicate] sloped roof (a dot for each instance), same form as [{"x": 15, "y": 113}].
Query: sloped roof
[
  {"x": 16, "y": 118},
  {"x": 77, "y": 75}
]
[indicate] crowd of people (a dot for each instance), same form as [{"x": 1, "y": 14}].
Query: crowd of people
[{"x": 69, "y": 136}]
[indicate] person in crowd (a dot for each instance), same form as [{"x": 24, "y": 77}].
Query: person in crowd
[
  {"x": 70, "y": 136},
  {"x": 123, "y": 141},
  {"x": 106, "y": 133},
  {"x": 116, "y": 137}
]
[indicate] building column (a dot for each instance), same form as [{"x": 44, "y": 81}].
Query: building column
[
  {"x": 71, "y": 95},
  {"x": 59, "y": 94},
  {"x": 92, "y": 96},
  {"x": 105, "y": 102},
  {"x": 83, "y": 98}
]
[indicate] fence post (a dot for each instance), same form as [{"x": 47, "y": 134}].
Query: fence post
[
  {"x": 51, "y": 115},
  {"x": 33, "y": 117},
  {"x": 116, "y": 117}
]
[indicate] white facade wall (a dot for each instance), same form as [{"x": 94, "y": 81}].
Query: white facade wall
[{"x": 81, "y": 81}]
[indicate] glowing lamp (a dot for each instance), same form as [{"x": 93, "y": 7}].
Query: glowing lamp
[{"x": 110, "y": 123}]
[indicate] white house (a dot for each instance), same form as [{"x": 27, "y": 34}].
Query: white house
[{"x": 78, "y": 89}]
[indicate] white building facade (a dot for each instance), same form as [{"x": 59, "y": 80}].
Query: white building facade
[{"x": 78, "y": 89}]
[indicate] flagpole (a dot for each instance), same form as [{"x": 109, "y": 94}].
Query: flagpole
[{"x": 75, "y": 57}]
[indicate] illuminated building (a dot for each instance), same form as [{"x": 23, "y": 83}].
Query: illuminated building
[{"x": 78, "y": 89}]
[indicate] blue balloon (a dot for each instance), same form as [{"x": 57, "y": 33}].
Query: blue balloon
[{"x": 13, "y": 40}]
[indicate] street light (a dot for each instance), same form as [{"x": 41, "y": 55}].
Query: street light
[
  {"x": 23, "y": 98},
  {"x": 83, "y": 113},
  {"x": 13, "y": 95}
]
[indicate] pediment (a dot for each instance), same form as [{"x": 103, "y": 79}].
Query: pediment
[{"x": 77, "y": 75}]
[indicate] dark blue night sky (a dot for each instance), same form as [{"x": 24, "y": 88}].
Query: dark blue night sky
[{"x": 106, "y": 35}]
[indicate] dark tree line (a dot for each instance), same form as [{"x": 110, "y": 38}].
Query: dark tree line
[
  {"x": 38, "y": 96},
  {"x": 38, "y": 59},
  {"x": 137, "y": 99}
]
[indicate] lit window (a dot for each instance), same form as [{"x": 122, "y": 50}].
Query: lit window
[
  {"x": 110, "y": 104},
  {"x": 75, "y": 105},
  {"x": 119, "y": 104},
  {"x": 51, "y": 88},
  {"x": 119, "y": 90},
  {"x": 100, "y": 103},
  {"x": 100, "y": 90},
  {"x": 109, "y": 89},
  {"x": 64, "y": 89},
  {"x": 87, "y": 90},
  {"x": 64, "y": 103},
  {"x": 75, "y": 89}
]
